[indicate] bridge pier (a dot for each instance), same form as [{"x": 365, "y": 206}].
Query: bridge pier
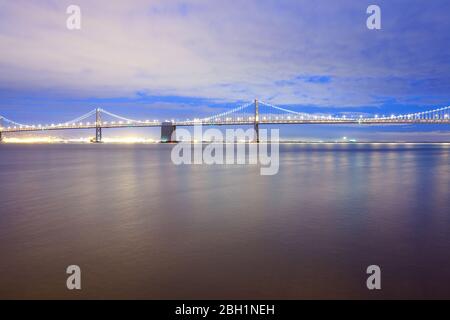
[
  {"x": 168, "y": 132},
  {"x": 98, "y": 128},
  {"x": 1, "y": 128},
  {"x": 256, "y": 126},
  {"x": 98, "y": 135}
]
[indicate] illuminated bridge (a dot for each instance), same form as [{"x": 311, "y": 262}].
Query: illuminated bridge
[{"x": 254, "y": 113}]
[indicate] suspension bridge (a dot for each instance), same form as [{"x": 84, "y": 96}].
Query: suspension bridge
[{"x": 254, "y": 114}]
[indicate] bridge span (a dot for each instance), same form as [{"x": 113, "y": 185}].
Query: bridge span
[{"x": 250, "y": 114}]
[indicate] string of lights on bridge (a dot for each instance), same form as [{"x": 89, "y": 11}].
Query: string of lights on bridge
[{"x": 242, "y": 114}]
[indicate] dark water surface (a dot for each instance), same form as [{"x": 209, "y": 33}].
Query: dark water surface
[{"x": 141, "y": 227}]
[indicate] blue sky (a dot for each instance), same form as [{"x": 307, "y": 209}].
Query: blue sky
[{"x": 180, "y": 59}]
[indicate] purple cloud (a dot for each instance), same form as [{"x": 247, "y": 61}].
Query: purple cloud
[{"x": 193, "y": 48}]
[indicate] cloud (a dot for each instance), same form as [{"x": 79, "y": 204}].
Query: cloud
[{"x": 300, "y": 52}]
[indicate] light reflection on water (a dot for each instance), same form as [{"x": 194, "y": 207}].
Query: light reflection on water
[{"x": 140, "y": 227}]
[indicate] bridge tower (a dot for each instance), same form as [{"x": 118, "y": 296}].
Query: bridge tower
[
  {"x": 98, "y": 126},
  {"x": 256, "y": 121},
  {"x": 168, "y": 132}
]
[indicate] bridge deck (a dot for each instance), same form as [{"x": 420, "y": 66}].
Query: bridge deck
[
  {"x": 227, "y": 123},
  {"x": 233, "y": 117}
]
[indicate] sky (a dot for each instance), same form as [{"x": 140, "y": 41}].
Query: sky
[{"x": 186, "y": 59}]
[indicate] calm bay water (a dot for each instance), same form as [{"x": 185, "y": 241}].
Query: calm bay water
[{"x": 141, "y": 227}]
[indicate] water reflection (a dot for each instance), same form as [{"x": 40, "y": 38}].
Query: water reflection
[{"x": 141, "y": 227}]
